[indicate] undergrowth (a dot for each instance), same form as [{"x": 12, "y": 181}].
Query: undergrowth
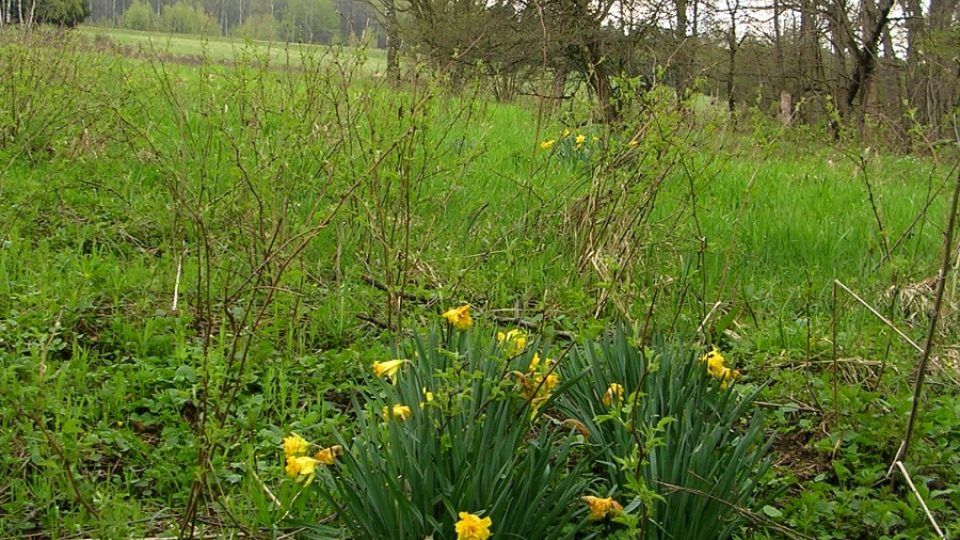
[{"x": 200, "y": 257}]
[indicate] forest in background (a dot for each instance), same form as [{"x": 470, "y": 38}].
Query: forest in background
[{"x": 885, "y": 70}]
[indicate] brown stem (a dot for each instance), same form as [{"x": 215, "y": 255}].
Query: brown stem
[{"x": 934, "y": 318}]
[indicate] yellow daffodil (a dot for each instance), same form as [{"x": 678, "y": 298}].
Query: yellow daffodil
[
  {"x": 614, "y": 394},
  {"x": 427, "y": 397},
  {"x": 388, "y": 369},
  {"x": 302, "y": 468},
  {"x": 328, "y": 455},
  {"x": 728, "y": 376},
  {"x": 537, "y": 387},
  {"x": 601, "y": 507},
  {"x": 547, "y": 144},
  {"x": 535, "y": 363},
  {"x": 580, "y": 139},
  {"x": 717, "y": 369},
  {"x": 294, "y": 445},
  {"x": 397, "y": 411},
  {"x": 513, "y": 342},
  {"x": 714, "y": 361},
  {"x": 473, "y": 527},
  {"x": 459, "y": 317},
  {"x": 566, "y": 132}
]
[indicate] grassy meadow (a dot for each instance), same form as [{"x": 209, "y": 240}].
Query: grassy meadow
[{"x": 204, "y": 248}]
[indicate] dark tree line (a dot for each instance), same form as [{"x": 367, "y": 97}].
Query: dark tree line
[
  {"x": 853, "y": 63},
  {"x": 56, "y": 12}
]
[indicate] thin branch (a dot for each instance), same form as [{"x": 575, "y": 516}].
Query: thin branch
[
  {"x": 522, "y": 323},
  {"x": 934, "y": 318},
  {"x": 756, "y": 519},
  {"x": 913, "y": 488},
  {"x": 879, "y": 316}
]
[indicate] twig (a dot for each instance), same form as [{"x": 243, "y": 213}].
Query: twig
[
  {"x": 523, "y": 323},
  {"x": 756, "y": 519},
  {"x": 934, "y": 318},
  {"x": 420, "y": 299},
  {"x": 709, "y": 314},
  {"x": 176, "y": 283},
  {"x": 879, "y": 316},
  {"x": 374, "y": 321},
  {"x": 797, "y": 406},
  {"x": 913, "y": 488},
  {"x": 266, "y": 490},
  {"x": 67, "y": 469}
]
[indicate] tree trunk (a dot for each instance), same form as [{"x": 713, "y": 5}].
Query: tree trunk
[
  {"x": 599, "y": 80},
  {"x": 682, "y": 54},
  {"x": 732, "y": 46},
  {"x": 808, "y": 55},
  {"x": 393, "y": 41},
  {"x": 778, "y": 46},
  {"x": 866, "y": 59}
]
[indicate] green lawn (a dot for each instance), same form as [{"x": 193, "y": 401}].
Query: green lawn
[{"x": 226, "y": 49}]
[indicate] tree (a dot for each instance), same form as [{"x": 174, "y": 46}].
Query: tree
[
  {"x": 186, "y": 19},
  {"x": 263, "y": 27},
  {"x": 61, "y": 12},
  {"x": 310, "y": 21},
  {"x": 139, "y": 16}
]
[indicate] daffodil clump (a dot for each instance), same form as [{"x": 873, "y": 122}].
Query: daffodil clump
[
  {"x": 465, "y": 409},
  {"x": 299, "y": 465},
  {"x": 578, "y": 141},
  {"x": 716, "y": 368},
  {"x": 459, "y": 317},
  {"x": 472, "y": 527},
  {"x": 513, "y": 342}
]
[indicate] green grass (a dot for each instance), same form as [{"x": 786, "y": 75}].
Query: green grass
[
  {"x": 221, "y": 49},
  {"x": 119, "y": 173}
]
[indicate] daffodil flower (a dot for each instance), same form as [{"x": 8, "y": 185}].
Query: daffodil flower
[
  {"x": 613, "y": 395},
  {"x": 601, "y": 507},
  {"x": 294, "y": 445},
  {"x": 328, "y": 456},
  {"x": 388, "y": 369},
  {"x": 459, "y": 317},
  {"x": 397, "y": 411},
  {"x": 473, "y": 527},
  {"x": 302, "y": 468},
  {"x": 513, "y": 341}
]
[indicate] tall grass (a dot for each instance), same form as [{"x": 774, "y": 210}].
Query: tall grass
[{"x": 305, "y": 216}]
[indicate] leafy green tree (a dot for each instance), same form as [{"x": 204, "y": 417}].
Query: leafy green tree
[
  {"x": 139, "y": 16},
  {"x": 310, "y": 21},
  {"x": 61, "y": 12},
  {"x": 263, "y": 27},
  {"x": 186, "y": 19}
]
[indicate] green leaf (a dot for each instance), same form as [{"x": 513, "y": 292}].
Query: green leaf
[{"x": 772, "y": 512}]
